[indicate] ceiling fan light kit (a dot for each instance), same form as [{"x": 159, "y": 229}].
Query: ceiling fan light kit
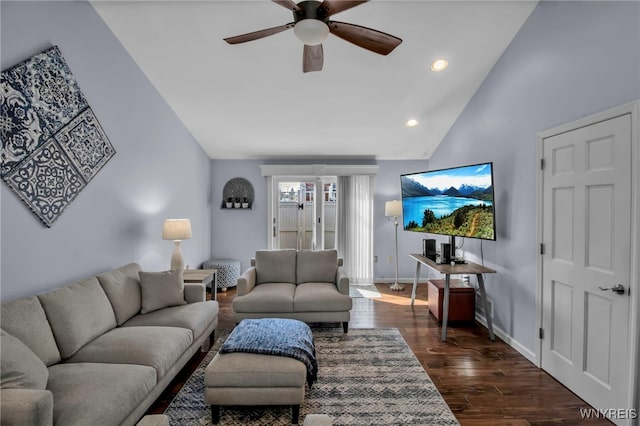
[
  {"x": 312, "y": 26},
  {"x": 311, "y": 31}
]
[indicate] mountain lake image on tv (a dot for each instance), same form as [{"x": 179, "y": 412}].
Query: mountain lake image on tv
[{"x": 456, "y": 201}]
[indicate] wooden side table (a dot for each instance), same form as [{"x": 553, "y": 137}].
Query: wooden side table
[
  {"x": 448, "y": 270},
  {"x": 208, "y": 277}
]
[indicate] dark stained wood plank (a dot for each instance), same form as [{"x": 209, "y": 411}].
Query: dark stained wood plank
[{"x": 484, "y": 383}]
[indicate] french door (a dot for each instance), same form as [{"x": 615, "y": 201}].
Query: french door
[{"x": 303, "y": 213}]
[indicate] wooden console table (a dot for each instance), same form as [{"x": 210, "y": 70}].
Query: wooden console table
[{"x": 448, "y": 270}]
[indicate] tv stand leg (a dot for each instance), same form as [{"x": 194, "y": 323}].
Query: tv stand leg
[
  {"x": 415, "y": 283},
  {"x": 445, "y": 306},
  {"x": 485, "y": 306}
]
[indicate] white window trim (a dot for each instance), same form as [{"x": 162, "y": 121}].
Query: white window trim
[{"x": 318, "y": 170}]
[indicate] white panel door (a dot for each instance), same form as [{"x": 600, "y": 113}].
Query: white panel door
[{"x": 586, "y": 228}]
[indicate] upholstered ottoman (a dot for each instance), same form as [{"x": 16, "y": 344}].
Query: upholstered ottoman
[
  {"x": 228, "y": 271},
  {"x": 251, "y": 379}
]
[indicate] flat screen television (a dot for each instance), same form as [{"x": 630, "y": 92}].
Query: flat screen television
[{"x": 457, "y": 202}]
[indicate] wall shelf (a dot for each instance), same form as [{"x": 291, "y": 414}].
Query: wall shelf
[{"x": 240, "y": 192}]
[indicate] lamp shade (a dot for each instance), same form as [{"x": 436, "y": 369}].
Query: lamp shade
[
  {"x": 393, "y": 208},
  {"x": 176, "y": 229},
  {"x": 311, "y": 31}
]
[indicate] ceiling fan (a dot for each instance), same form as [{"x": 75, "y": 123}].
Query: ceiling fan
[{"x": 312, "y": 25}]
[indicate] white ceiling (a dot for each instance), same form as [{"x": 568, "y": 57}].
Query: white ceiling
[{"x": 252, "y": 100}]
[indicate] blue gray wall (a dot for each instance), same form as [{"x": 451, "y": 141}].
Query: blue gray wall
[
  {"x": 158, "y": 172},
  {"x": 551, "y": 73},
  {"x": 569, "y": 60},
  {"x": 387, "y": 188},
  {"x": 238, "y": 234}
]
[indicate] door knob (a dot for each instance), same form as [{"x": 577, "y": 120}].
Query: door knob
[{"x": 618, "y": 288}]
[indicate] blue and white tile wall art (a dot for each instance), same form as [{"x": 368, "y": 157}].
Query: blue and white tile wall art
[{"x": 52, "y": 143}]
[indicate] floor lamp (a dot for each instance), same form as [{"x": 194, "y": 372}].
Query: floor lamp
[{"x": 394, "y": 209}]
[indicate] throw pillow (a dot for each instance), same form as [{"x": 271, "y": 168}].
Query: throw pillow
[
  {"x": 19, "y": 366},
  {"x": 161, "y": 290}
]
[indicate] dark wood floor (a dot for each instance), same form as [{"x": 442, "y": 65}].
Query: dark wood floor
[{"x": 484, "y": 382}]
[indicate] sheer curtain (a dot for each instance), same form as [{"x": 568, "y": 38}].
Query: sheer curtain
[{"x": 355, "y": 226}]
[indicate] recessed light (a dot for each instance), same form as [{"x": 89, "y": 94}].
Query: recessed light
[
  {"x": 439, "y": 64},
  {"x": 412, "y": 123}
]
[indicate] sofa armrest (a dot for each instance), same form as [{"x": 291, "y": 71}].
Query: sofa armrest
[
  {"x": 26, "y": 407},
  {"x": 342, "y": 281},
  {"x": 195, "y": 292},
  {"x": 246, "y": 281}
]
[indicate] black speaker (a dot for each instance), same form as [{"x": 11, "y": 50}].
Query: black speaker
[
  {"x": 429, "y": 249},
  {"x": 445, "y": 253}
]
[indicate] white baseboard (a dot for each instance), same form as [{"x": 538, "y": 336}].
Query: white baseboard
[{"x": 519, "y": 347}]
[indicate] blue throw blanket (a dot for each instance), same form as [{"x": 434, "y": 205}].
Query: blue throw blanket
[{"x": 274, "y": 336}]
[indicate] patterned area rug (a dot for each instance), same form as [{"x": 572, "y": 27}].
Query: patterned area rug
[
  {"x": 366, "y": 377},
  {"x": 363, "y": 290}
]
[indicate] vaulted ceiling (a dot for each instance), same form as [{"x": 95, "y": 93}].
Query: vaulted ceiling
[{"x": 252, "y": 100}]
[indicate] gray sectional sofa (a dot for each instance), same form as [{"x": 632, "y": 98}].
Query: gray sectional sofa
[
  {"x": 85, "y": 354},
  {"x": 306, "y": 285}
]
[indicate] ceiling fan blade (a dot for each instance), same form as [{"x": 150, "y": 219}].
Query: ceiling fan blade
[
  {"x": 367, "y": 38},
  {"x": 336, "y": 6},
  {"x": 313, "y": 58},
  {"x": 259, "y": 34},
  {"x": 289, "y": 4}
]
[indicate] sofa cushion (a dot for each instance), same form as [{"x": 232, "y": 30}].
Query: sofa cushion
[
  {"x": 161, "y": 289},
  {"x": 98, "y": 394},
  {"x": 194, "y": 316},
  {"x": 275, "y": 266},
  {"x": 317, "y": 266},
  {"x": 271, "y": 297},
  {"x": 78, "y": 313},
  {"x": 25, "y": 319},
  {"x": 19, "y": 366},
  {"x": 320, "y": 297},
  {"x": 26, "y": 407},
  {"x": 157, "y": 347},
  {"x": 122, "y": 287}
]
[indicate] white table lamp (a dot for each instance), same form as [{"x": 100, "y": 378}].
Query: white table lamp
[
  {"x": 176, "y": 230},
  {"x": 394, "y": 209}
]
